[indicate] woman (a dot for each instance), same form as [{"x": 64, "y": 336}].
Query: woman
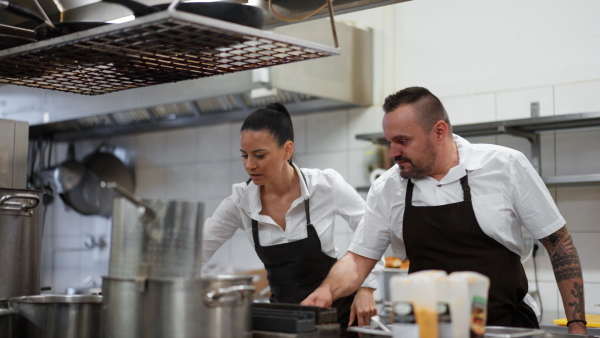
[{"x": 288, "y": 214}]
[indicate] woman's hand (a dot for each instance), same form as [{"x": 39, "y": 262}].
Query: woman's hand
[{"x": 363, "y": 307}]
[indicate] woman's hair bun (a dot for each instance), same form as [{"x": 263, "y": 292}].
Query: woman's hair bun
[{"x": 278, "y": 107}]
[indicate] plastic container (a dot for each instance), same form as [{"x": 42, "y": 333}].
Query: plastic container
[
  {"x": 476, "y": 301},
  {"x": 414, "y": 304}
]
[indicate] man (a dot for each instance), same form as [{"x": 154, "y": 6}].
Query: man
[{"x": 456, "y": 206}]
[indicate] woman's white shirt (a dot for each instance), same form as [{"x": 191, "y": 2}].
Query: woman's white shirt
[{"x": 329, "y": 194}]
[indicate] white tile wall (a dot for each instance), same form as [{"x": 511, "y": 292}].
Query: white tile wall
[
  {"x": 363, "y": 121},
  {"x": 183, "y": 181},
  {"x": 333, "y": 160},
  {"x": 234, "y": 138},
  {"x": 517, "y": 104},
  {"x": 471, "y": 109},
  {"x": 592, "y": 296},
  {"x": 326, "y": 132},
  {"x": 182, "y": 146},
  {"x": 300, "y": 142},
  {"x": 577, "y": 152},
  {"x": 575, "y": 205},
  {"x": 587, "y": 247},
  {"x": 151, "y": 149},
  {"x": 151, "y": 182},
  {"x": 577, "y": 98},
  {"x": 213, "y": 143}
]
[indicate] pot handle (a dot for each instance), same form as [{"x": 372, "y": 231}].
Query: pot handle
[
  {"x": 213, "y": 298},
  {"x": 149, "y": 214},
  {"x": 18, "y": 206}
]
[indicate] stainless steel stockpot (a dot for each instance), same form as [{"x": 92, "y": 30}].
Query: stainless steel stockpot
[
  {"x": 165, "y": 243},
  {"x": 7, "y": 318},
  {"x": 20, "y": 242},
  {"x": 216, "y": 307},
  {"x": 57, "y": 316}
]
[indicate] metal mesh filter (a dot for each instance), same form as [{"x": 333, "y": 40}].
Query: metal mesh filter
[{"x": 159, "y": 48}]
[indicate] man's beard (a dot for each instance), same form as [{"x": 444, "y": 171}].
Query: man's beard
[{"x": 416, "y": 171}]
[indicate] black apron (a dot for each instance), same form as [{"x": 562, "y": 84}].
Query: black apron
[
  {"x": 448, "y": 237},
  {"x": 296, "y": 269}
]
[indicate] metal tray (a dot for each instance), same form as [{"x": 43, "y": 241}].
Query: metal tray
[
  {"x": 163, "y": 47},
  {"x": 510, "y": 332}
]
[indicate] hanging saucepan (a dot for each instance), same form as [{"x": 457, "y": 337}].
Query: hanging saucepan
[
  {"x": 88, "y": 197},
  {"x": 49, "y": 30},
  {"x": 230, "y": 11},
  {"x": 65, "y": 176}
]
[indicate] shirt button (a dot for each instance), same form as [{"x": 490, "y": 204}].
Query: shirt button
[{"x": 439, "y": 185}]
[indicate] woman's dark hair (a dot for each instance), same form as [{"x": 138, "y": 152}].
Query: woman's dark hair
[{"x": 274, "y": 119}]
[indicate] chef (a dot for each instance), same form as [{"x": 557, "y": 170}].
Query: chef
[
  {"x": 456, "y": 206},
  {"x": 289, "y": 215}
]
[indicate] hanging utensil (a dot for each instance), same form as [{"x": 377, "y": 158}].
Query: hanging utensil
[
  {"x": 69, "y": 173},
  {"x": 48, "y": 29},
  {"x": 10, "y": 40},
  {"x": 87, "y": 197},
  {"x": 148, "y": 215},
  {"x": 229, "y": 11}
]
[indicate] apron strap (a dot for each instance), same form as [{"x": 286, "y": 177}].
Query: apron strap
[
  {"x": 464, "y": 182},
  {"x": 306, "y": 202}
]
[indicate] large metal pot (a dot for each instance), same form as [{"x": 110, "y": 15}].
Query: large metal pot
[
  {"x": 123, "y": 308},
  {"x": 216, "y": 307},
  {"x": 161, "y": 240},
  {"x": 7, "y": 318},
  {"x": 20, "y": 242},
  {"x": 227, "y": 306},
  {"x": 57, "y": 316}
]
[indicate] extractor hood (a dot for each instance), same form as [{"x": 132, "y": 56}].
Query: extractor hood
[{"x": 322, "y": 84}]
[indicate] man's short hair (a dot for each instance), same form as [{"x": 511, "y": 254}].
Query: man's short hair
[{"x": 429, "y": 108}]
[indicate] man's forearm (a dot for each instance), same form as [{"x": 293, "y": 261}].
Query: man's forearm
[
  {"x": 348, "y": 274},
  {"x": 567, "y": 270}
]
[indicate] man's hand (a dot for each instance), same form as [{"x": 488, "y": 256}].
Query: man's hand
[
  {"x": 321, "y": 297},
  {"x": 363, "y": 307}
]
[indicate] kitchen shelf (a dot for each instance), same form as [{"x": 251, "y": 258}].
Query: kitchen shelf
[
  {"x": 528, "y": 128},
  {"x": 163, "y": 47}
]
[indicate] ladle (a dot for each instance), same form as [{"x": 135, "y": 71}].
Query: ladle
[{"x": 148, "y": 214}]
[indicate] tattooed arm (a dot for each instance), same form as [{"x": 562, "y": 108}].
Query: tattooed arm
[{"x": 567, "y": 270}]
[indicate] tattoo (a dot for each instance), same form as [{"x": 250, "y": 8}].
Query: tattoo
[
  {"x": 563, "y": 255},
  {"x": 577, "y": 305}
]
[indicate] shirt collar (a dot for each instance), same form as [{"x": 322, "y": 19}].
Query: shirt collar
[
  {"x": 251, "y": 199},
  {"x": 466, "y": 155},
  {"x": 467, "y": 161}
]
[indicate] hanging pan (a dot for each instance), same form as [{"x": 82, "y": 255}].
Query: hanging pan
[
  {"x": 88, "y": 197},
  {"x": 229, "y": 11},
  {"x": 48, "y": 29}
]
